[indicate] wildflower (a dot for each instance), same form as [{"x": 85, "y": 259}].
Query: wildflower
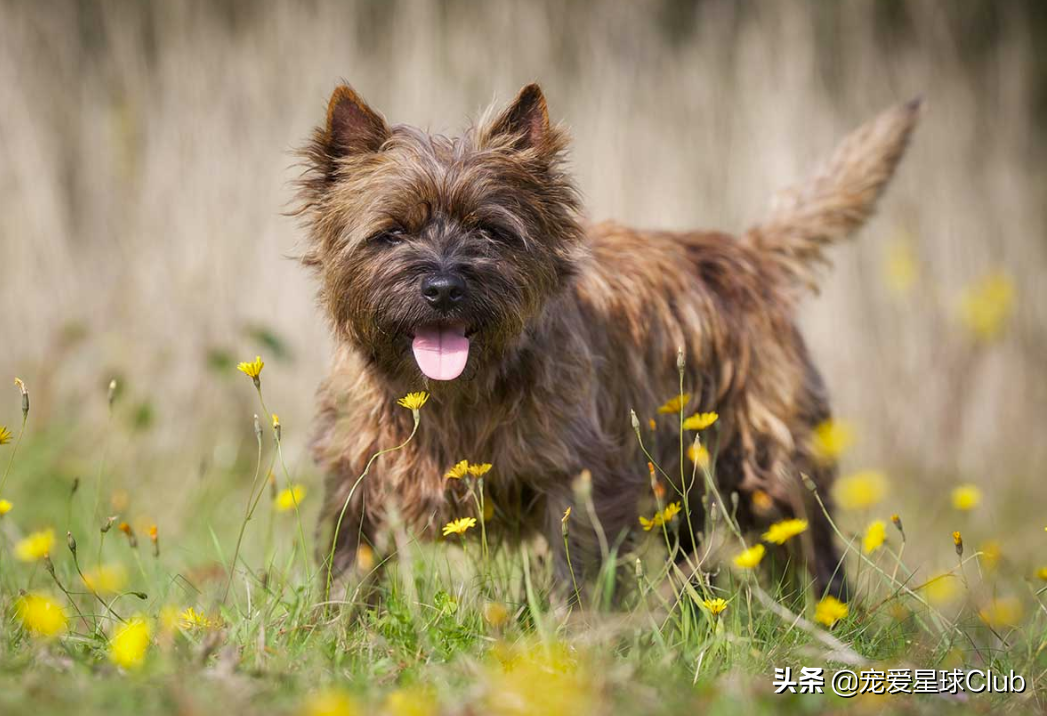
[
  {"x": 25, "y": 397},
  {"x": 700, "y": 421},
  {"x": 986, "y": 305},
  {"x": 1002, "y": 612},
  {"x": 762, "y": 501},
  {"x": 189, "y": 619},
  {"x": 35, "y": 546},
  {"x": 5, "y": 507},
  {"x": 831, "y": 439},
  {"x": 749, "y": 558},
  {"x": 650, "y": 524},
  {"x": 289, "y": 498},
  {"x": 652, "y": 424},
  {"x": 699, "y": 454},
  {"x": 829, "y": 610},
  {"x": 990, "y": 554},
  {"x": 860, "y": 490},
  {"x": 277, "y": 428},
  {"x": 106, "y": 579},
  {"x": 660, "y": 518},
  {"x": 675, "y": 404},
  {"x": 940, "y": 589},
  {"x": 957, "y": 539},
  {"x": 480, "y": 470},
  {"x": 495, "y": 614},
  {"x": 715, "y": 606},
  {"x": 413, "y": 401},
  {"x": 898, "y": 523},
  {"x": 900, "y": 268},
  {"x": 128, "y": 646},
  {"x": 40, "y": 614},
  {"x": 129, "y": 531},
  {"x": 331, "y": 702},
  {"x": 459, "y": 471},
  {"x": 566, "y": 516},
  {"x": 154, "y": 537},
  {"x": 1042, "y": 573},
  {"x": 966, "y": 497},
  {"x": 412, "y": 701},
  {"x": 670, "y": 512},
  {"x": 252, "y": 369},
  {"x": 459, "y": 526},
  {"x": 782, "y": 532},
  {"x": 5, "y": 435},
  {"x": 875, "y": 535}
]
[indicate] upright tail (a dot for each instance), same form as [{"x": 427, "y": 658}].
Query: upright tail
[{"x": 837, "y": 199}]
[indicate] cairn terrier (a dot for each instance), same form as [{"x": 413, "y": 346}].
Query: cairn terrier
[{"x": 463, "y": 267}]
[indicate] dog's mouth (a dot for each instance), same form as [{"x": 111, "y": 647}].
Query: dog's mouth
[{"x": 441, "y": 351}]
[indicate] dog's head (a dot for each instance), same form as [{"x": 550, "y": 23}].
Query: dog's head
[{"x": 435, "y": 254}]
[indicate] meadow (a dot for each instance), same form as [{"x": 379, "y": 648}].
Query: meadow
[{"x": 146, "y": 160}]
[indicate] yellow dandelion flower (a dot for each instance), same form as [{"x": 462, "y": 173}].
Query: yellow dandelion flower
[
  {"x": 700, "y": 421},
  {"x": 986, "y": 305},
  {"x": 831, "y": 439},
  {"x": 875, "y": 534},
  {"x": 650, "y": 524},
  {"x": 749, "y": 558},
  {"x": 459, "y": 471},
  {"x": 330, "y": 702},
  {"x": 130, "y": 643},
  {"x": 901, "y": 269},
  {"x": 829, "y": 610},
  {"x": 106, "y": 579},
  {"x": 413, "y": 701},
  {"x": 699, "y": 455},
  {"x": 5, "y": 435},
  {"x": 413, "y": 401},
  {"x": 459, "y": 526},
  {"x": 252, "y": 369},
  {"x": 5, "y": 507},
  {"x": 1002, "y": 612},
  {"x": 41, "y": 615},
  {"x": 675, "y": 404},
  {"x": 860, "y": 490},
  {"x": 495, "y": 613},
  {"x": 966, "y": 497},
  {"x": 289, "y": 497},
  {"x": 189, "y": 619},
  {"x": 762, "y": 501},
  {"x": 670, "y": 512},
  {"x": 566, "y": 515},
  {"x": 1042, "y": 573},
  {"x": 35, "y": 546},
  {"x": 782, "y": 532},
  {"x": 941, "y": 589},
  {"x": 715, "y": 606},
  {"x": 480, "y": 470}
]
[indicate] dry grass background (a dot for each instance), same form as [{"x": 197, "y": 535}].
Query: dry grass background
[{"x": 145, "y": 162}]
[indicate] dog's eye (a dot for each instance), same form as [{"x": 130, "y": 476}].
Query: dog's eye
[{"x": 391, "y": 237}]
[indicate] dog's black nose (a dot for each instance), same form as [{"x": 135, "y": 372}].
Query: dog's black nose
[{"x": 443, "y": 290}]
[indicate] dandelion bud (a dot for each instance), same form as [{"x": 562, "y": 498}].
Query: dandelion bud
[
  {"x": 957, "y": 539},
  {"x": 131, "y": 538},
  {"x": 639, "y": 568},
  {"x": 154, "y": 537},
  {"x": 634, "y": 420},
  {"x": 734, "y": 501},
  {"x": 651, "y": 424},
  {"x": 583, "y": 484},
  {"x": 112, "y": 392},
  {"x": 141, "y": 595},
  {"x": 808, "y": 482},
  {"x": 680, "y": 362},
  {"x": 563, "y": 522},
  {"x": 25, "y": 398},
  {"x": 714, "y": 513},
  {"x": 898, "y": 523},
  {"x": 257, "y": 429},
  {"x": 108, "y": 524},
  {"x": 276, "y": 427},
  {"x": 71, "y": 542}
]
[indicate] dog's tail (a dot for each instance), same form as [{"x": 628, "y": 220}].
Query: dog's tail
[{"x": 838, "y": 199}]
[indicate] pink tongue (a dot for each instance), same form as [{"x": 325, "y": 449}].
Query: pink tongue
[{"x": 441, "y": 353}]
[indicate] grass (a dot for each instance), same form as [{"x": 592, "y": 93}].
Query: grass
[{"x": 463, "y": 626}]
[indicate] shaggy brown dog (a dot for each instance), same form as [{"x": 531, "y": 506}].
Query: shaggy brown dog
[{"x": 462, "y": 267}]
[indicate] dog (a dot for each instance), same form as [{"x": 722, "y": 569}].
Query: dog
[{"x": 464, "y": 267}]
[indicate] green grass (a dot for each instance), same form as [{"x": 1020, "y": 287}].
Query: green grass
[{"x": 452, "y": 631}]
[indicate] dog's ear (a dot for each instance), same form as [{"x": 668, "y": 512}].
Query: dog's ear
[
  {"x": 526, "y": 119},
  {"x": 352, "y": 127}
]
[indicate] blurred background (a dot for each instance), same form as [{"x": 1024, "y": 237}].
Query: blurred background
[{"x": 147, "y": 161}]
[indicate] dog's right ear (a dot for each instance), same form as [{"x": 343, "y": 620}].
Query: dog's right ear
[{"x": 352, "y": 127}]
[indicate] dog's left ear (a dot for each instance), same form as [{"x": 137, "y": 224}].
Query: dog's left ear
[{"x": 526, "y": 119}]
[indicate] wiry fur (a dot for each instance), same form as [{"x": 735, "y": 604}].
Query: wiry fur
[{"x": 574, "y": 325}]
